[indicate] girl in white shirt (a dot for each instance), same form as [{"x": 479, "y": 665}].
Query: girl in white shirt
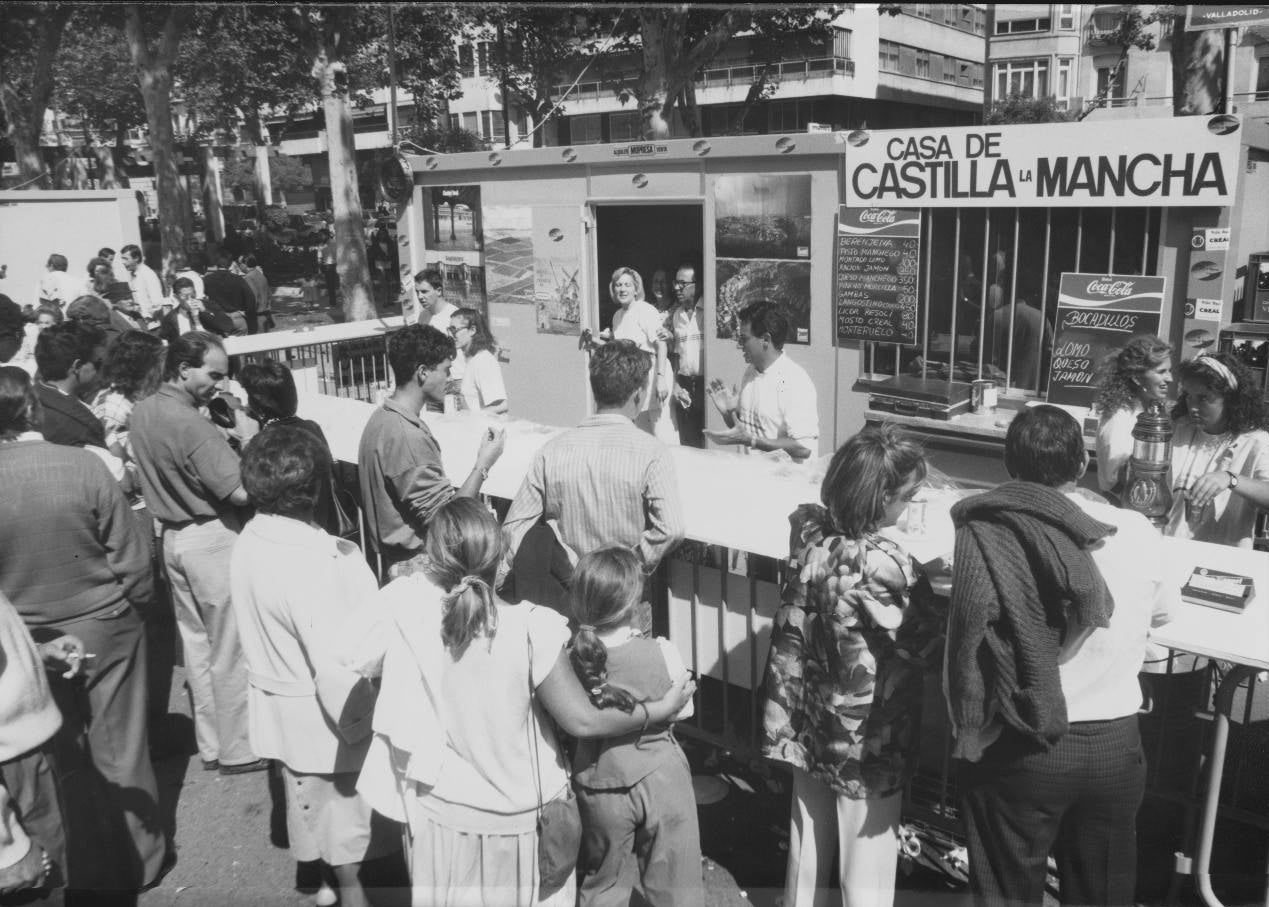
[
  {"x": 476, "y": 367},
  {"x": 1136, "y": 376}
]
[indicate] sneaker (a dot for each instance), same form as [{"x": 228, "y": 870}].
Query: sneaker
[{"x": 243, "y": 768}]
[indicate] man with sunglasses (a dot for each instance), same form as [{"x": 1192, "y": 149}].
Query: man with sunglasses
[{"x": 687, "y": 330}]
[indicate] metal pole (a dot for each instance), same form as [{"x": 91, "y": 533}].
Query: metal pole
[
  {"x": 506, "y": 104},
  {"x": 392, "y": 74},
  {"x": 1231, "y": 44}
]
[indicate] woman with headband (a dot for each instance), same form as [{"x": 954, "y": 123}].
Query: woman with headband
[{"x": 1220, "y": 453}]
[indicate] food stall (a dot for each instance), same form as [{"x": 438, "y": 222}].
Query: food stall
[{"x": 912, "y": 263}]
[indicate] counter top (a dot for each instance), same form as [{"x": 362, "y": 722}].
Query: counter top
[
  {"x": 729, "y": 499},
  {"x": 970, "y": 425}
]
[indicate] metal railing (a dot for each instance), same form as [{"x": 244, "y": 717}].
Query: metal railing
[
  {"x": 338, "y": 360},
  {"x": 726, "y": 76}
]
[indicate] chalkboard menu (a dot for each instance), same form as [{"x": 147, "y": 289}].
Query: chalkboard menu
[
  {"x": 878, "y": 250},
  {"x": 1097, "y": 313}
]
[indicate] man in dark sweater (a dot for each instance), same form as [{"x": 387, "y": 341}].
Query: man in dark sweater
[
  {"x": 75, "y": 560},
  {"x": 231, "y": 293}
]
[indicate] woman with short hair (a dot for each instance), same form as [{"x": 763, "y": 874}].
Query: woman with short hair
[{"x": 293, "y": 586}]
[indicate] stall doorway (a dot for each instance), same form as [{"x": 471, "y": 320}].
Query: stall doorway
[{"x": 648, "y": 238}]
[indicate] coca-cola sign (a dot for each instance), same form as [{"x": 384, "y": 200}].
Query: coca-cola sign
[
  {"x": 878, "y": 216},
  {"x": 1113, "y": 288}
]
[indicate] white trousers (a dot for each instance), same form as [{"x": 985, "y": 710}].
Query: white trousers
[{"x": 867, "y": 837}]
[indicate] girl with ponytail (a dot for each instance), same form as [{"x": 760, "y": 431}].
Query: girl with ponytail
[
  {"x": 464, "y": 747},
  {"x": 634, "y": 791}
]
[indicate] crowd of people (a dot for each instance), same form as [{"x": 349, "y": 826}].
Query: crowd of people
[{"x": 494, "y": 724}]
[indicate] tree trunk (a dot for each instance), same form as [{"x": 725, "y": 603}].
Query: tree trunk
[
  {"x": 156, "y": 92},
  {"x": 653, "y": 92},
  {"x": 263, "y": 182},
  {"x": 154, "y": 78},
  {"x": 1198, "y": 61},
  {"x": 350, "y": 234},
  {"x": 107, "y": 173},
  {"x": 214, "y": 203},
  {"x": 24, "y": 106}
]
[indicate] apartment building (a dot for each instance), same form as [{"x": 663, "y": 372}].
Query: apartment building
[{"x": 1068, "y": 52}]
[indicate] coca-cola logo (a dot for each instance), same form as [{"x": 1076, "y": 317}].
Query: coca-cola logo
[
  {"x": 878, "y": 216},
  {"x": 1111, "y": 287}
]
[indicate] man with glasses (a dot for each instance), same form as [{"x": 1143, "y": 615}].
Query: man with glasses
[
  {"x": 776, "y": 407},
  {"x": 70, "y": 358},
  {"x": 686, "y": 333}
]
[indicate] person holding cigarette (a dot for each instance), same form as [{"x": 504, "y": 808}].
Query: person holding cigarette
[
  {"x": 75, "y": 560},
  {"x": 402, "y": 478}
]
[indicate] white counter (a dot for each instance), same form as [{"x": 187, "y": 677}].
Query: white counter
[{"x": 729, "y": 499}]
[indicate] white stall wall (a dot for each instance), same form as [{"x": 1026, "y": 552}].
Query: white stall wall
[{"x": 76, "y": 223}]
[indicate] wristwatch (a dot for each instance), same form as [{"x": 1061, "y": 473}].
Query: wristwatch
[{"x": 1233, "y": 479}]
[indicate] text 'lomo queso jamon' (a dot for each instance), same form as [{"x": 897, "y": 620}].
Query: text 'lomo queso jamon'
[{"x": 1093, "y": 176}]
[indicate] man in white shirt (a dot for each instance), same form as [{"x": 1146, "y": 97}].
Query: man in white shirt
[
  {"x": 56, "y": 286},
  {"x": 776, "y": 406},
  {"x": 1078, "y": 797},
  {"x": 687, "y": 331},
  {"x": 433, "y": 308},
  {"x": 147, "y": 289}
]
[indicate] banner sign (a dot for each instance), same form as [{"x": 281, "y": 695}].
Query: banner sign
[
  {"x": 1168, "y": 161},
  {"x": 876, "y": 287},
  {"x": 1097, "y": 313},
  {"x": 1224, "y": 15}
]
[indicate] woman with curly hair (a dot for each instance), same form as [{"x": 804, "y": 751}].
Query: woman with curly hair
[
  {"x": 1220, "y": 453},
  {"x": 1135, "y": 376},
  {"x": 134, "y": 371}
]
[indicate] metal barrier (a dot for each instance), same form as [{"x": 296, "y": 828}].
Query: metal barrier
[{"x": 338, "y": 360}]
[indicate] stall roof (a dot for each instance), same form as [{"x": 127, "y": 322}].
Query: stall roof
[{"x": 797, "y": 144}]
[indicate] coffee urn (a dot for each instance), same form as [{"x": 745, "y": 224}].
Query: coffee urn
[{"x": 1147, "y": 490}]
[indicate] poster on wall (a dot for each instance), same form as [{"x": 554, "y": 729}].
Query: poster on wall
[
  {"x": 556, "y": 268},
  {"x": 508, "y": 237},
  {"x": 1096, "y": 314},
  {"x": 786, "y": 283},
  {"x": 1204, "y": 290},
  {"x": 452, "y": 219},
  {"x": 875, "y": 286},
  {"x": 464, "y": 282},
  {"x": 1167, "y": 161},
  {"x": 762, "y": 216}
]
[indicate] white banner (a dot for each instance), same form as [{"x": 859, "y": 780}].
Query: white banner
[{"x": 1167, "y": 161}]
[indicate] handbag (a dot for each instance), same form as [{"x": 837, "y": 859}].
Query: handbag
[{"x": 559, "y": 823}]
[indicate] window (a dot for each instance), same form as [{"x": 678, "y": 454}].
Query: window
[
  {"x": 471, "y": 123},
  {"x": 923, "y": 64},
  {"x": 1021, "y": 26},
  {"x": 1262, "y": 79},
  {"x": 1027, "y": 78},
  {"x": 841, "y": 43},
  {"x": 482, "y": 58},
  {"x": 466, "y": 60},
  {"x": 889, "y": 56},
  {"x": 624, "y": 126},
  {"x": 788, "y": 116},
  {"x": 923, "y": 10},
  {"x": 455, "y": 122},
  {"x": 1066, "y": 16},
  {"x": 585, "y": 129},
  {"x": 1110, "y": 80},
  {"x": 991, "y": 300},
  {"x": 1065, "y": 66},
  {"x": 495, "y": 128}
]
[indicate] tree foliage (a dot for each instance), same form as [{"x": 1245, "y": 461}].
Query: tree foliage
[
  {"x": 1019, "y": 108},
  {"x": 30, "y": 35},
  {"x": 287, "y": 174},
  {"x": 676, "y": 42},
  {"x": 95, "y": 75}
]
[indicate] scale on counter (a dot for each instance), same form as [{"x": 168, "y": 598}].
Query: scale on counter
[{"x": 907, "y": 395}]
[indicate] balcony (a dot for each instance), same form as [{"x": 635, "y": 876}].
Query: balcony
[
  {"x": 727, "y": 76},
  {"x": 1103, "y": 24}
]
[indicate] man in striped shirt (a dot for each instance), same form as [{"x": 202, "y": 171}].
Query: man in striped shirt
[{"x": 604, "y": 482}]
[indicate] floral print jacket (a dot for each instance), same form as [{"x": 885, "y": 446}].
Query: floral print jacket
[{"x": 855, "y": 634}]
